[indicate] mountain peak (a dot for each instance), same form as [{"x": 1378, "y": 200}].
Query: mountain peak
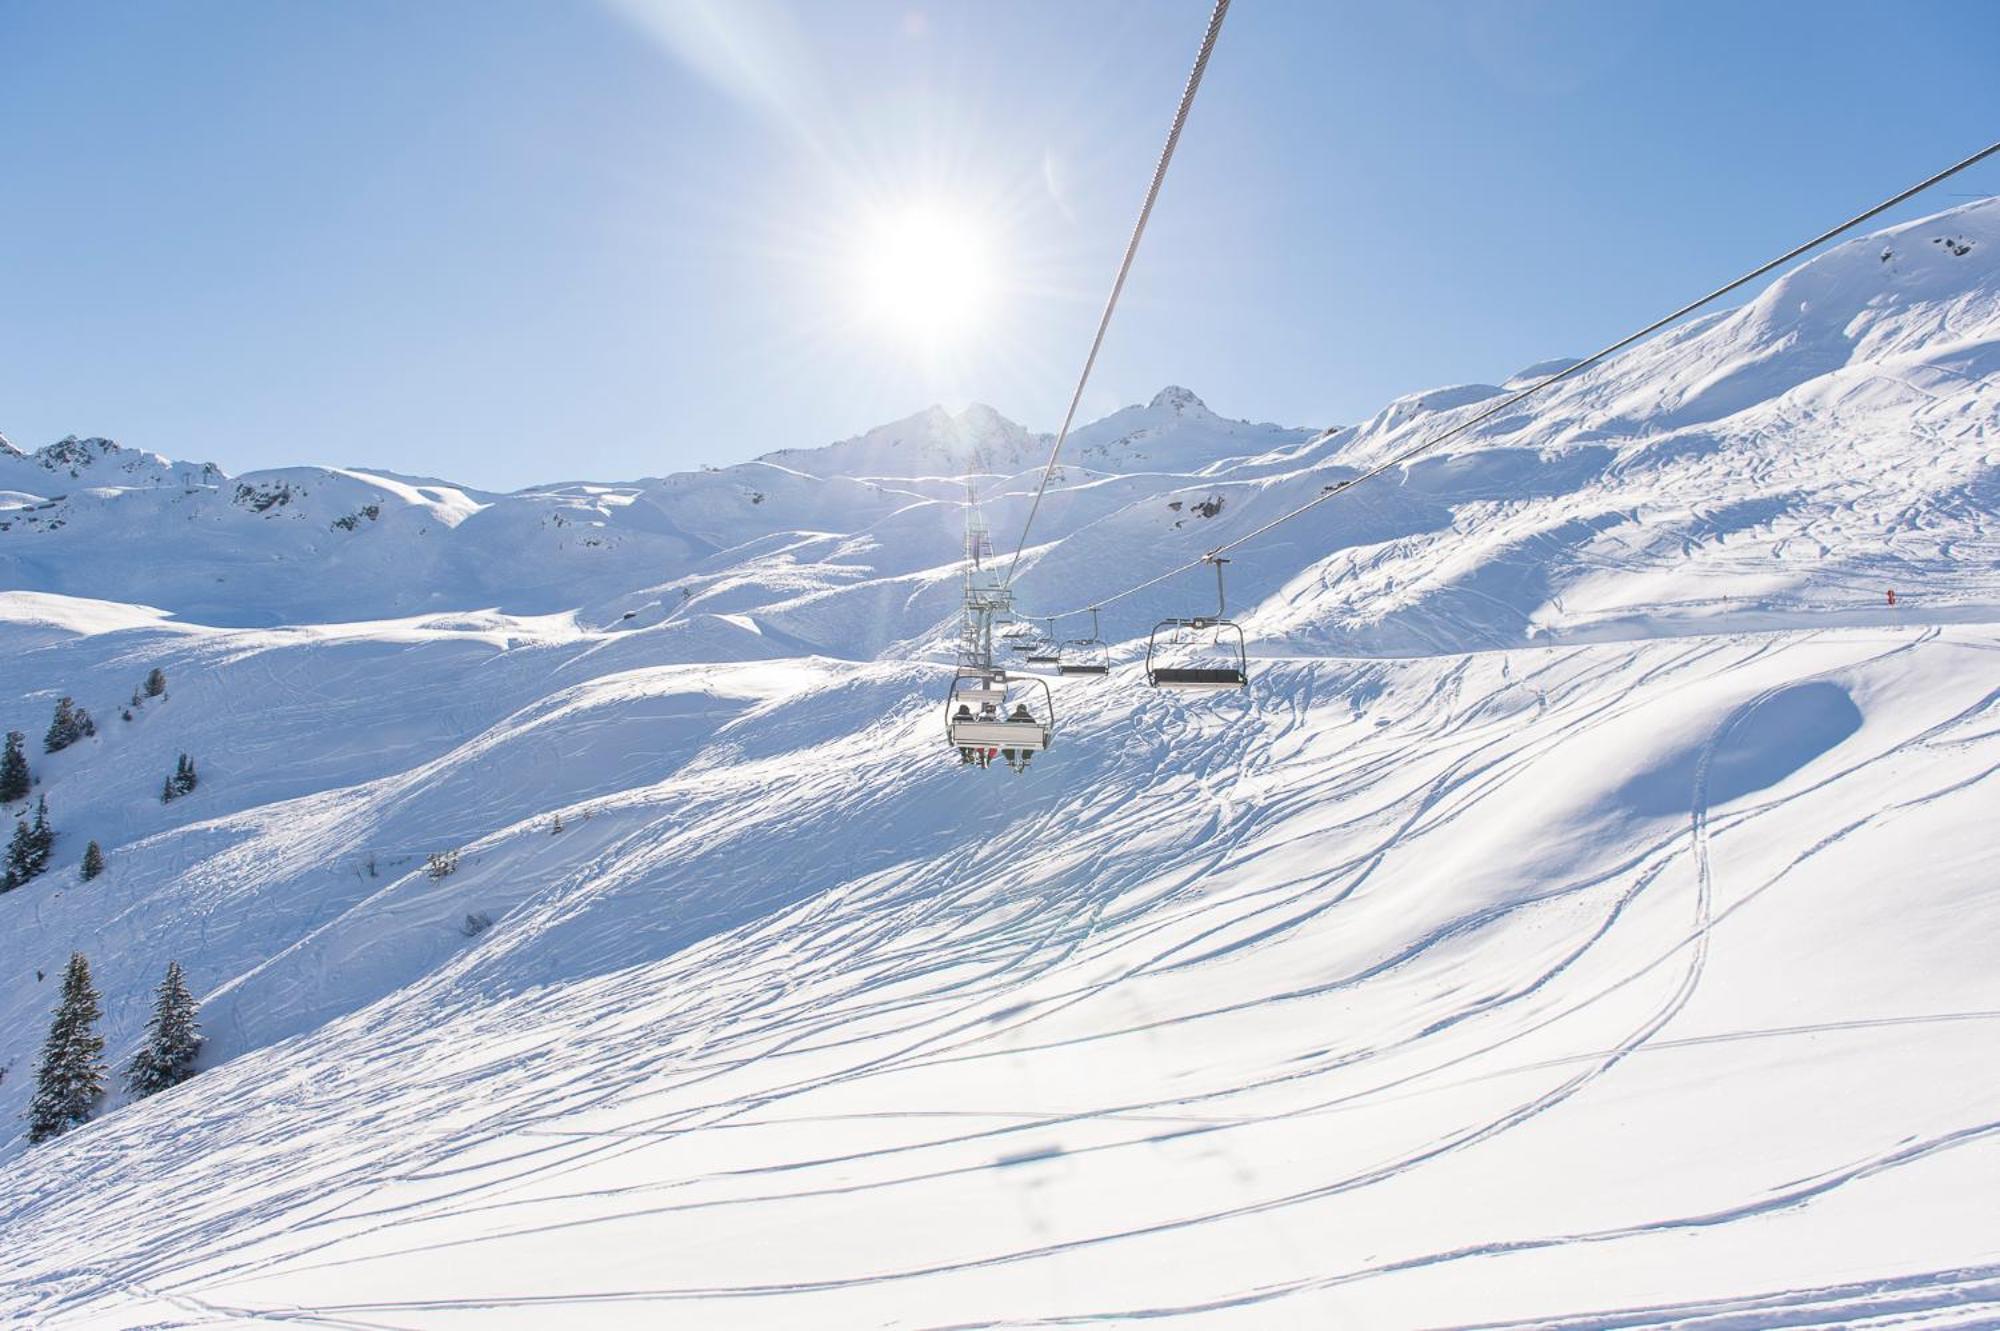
[
  {"x": 1176, "y": 399},
  {"x": 102, "y": 462}
]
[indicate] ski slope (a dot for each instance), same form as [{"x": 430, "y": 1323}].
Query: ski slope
[{"x": 1586, "y": 918}]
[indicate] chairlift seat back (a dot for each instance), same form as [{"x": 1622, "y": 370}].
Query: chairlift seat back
[
  {"x": 1197, "y": 677},
  {"x": 1017, "y": 735}
]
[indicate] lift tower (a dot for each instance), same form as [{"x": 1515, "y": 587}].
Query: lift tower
[{"x": 987, "y": 600}]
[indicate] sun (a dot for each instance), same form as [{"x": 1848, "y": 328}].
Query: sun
[{"x": 923, "y": 274}]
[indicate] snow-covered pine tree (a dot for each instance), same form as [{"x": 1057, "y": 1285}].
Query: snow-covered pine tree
[
  {"x": 20, "y": 851},
  {"x": 71, "y": 1075},
  {"x": 156, "y": 682},
  {"x": 62, "y": 727},
  {"x": 173, "y": 1038},
  {"x": 70, "y": 724},
  {"x": 28, "y": 849},
  {"x": 167, "y": 791},
  {"x": 185, "y": 779},
  {"x": 93, "y": 861},
  {"x": 15, "y": 780},
  {"x": 41, "y": 840}
]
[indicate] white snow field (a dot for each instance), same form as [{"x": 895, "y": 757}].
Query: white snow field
[{"x": 1587, "y": 918}]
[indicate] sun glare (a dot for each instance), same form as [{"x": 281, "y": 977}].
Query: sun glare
[{"x": 925, "y": 275}]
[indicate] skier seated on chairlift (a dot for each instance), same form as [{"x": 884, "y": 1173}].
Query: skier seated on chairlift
[
  {"x": 1018, "y": 759},
  {"x": 964, "y": 713}
]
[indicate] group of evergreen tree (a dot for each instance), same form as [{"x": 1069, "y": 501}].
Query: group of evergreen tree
[
  {"x": 29, "y": 849},
  {"x": 70, "y": 1078},
  {"x": 33, "y": 844},
  {"x": 182, "y": 782},
  {"x": 154, "y": 687},
  {"x": 71, "y": 723},
  {"x": 15, "y": 779}
]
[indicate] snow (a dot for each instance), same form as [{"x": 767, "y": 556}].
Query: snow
[{"x": 1585, "y": 918}]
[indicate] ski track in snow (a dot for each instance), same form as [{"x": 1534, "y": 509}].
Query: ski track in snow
[{"x": 920, "y": 966}]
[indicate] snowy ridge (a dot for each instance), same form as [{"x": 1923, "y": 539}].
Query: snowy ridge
[{"x": 1585, "y": 919}]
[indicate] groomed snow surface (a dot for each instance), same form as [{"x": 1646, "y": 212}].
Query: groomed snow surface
[{"x": 1586, "y": 919}]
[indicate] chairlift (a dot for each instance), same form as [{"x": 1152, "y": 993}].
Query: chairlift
[
  {"x": 1225, "y": 669},
  {"x": 1085, "y": 656},
  {"x": 1043, "y": 651},
  {"x": 981, "y": 724}
]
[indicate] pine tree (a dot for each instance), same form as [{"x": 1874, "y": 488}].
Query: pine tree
[
  {"x": 70, "y": 724},
  {"x": 20, "y": 851},
  {"x": 185, "y": 779},
  {"x": 41, "y": 840},
  {"x": 173, "y": 1038},
  {"x": 71, "y": 1075},
  {"x": 167, "y": 792},
  {"x": 62, "y": 729},
  {"x": 15, "y": 779},
  {"x": 156, "y": 682},
  {"x": 28, "y": 849},
  {"x": 93, "y": 861}
]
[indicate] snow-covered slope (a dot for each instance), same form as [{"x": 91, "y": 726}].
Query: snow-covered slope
[{"x": 1585, "y": 919}]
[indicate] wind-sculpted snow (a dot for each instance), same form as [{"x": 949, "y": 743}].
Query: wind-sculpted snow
[{"x": 1584, "y": 919}]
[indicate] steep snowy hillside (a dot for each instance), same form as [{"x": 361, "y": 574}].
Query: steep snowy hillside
[
  {"x": 1585, "y": 919},
  {"x": 1789, "y": 463},
  {"x": 1610, "y": 984}
]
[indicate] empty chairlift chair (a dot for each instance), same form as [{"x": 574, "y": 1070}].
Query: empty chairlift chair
[
  {"x": 1085, "y": 656},
  {"x": 1224, "y": 663},
  {"x": 1043, "y": 650}
]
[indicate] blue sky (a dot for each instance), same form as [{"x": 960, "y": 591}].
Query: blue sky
[{"x": 515, "y": 240}]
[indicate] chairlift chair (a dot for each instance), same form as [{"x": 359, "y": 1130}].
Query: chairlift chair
[
  {"x": 977, "y": 722},
  {"x": 1225, "y": 670},
  {"x": 1043, "y": 651},
  {"x": 979, "y": 689},
  {"x": 1085, "y": 656}
]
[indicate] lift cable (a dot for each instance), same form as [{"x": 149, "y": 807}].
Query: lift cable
[
  {"x": 1399, "y": 458},
  {"x": 1124, "y": 268}
]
